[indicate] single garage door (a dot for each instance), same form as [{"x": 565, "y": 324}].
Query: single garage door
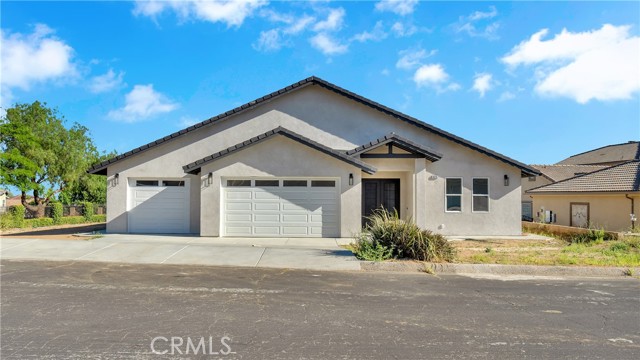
[
  {"x": 281, "y": 207},
  {"x": 159, "y": 206}
]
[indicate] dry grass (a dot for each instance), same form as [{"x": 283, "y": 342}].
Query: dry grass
[{"x": 549, "y": 252}]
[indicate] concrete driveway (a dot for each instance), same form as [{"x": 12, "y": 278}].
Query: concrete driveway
[{"x": 290, "y": 253}]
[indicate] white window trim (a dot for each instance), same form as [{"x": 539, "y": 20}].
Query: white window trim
[
  {"x": 461, "y": 193},
  {"x": 488, "y": 195}
]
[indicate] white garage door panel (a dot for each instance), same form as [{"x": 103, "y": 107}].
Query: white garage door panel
[
  {"x": 158, "y": 209},
  {"x": 281, "y": 211}
]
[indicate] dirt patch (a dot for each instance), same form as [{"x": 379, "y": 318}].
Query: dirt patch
[
  {"x": 548, "y": 252},
  {"x": 63, "y": 232}
]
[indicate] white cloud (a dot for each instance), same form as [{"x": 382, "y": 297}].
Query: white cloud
[
  {"x": 506, "y": 96},
  {"x": 402, "y": 30},
  {"x": 231, "y": 12},
  {"x": 479, "y": 15},
  {"x": 429, "y": 75},
  {"x": 269, "y": 40},
  {"x": 400, "y": 7},
  {"x": 593, "y": 65},
  {"x": 141, "y": 103},
  {"x": 37, "y": 57},
  {"x": 186, "y": 121},
  {"x": 410, "y": 59},
  {"x": 299, "y": 25},
  {"x": 103, "y": 83},
  {"x": 475, "y": 24},
  {"x": 327, "y": 45},
  {"x": 334, "y": 21},
  {"x": 376, "y": 34},
  {"x": 482, "y": 83}
]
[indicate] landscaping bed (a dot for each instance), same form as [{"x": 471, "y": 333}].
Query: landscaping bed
[
  {"x": 624, "y": 252},
  {"x": 58, "y": 232}
]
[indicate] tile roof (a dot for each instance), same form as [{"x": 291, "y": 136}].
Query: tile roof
[
  {"x": 100, "y": 168},
  {"x": 561, "y": 172},
  {"x": 401, "y": 143},
  {"x": 618, "y": 178},
  {"x": 610, "y": 154},
  {"x": 194, "y": 167}
]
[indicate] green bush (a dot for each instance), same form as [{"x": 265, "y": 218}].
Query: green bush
[
  {"x": 38, "y": 222},
  {"x": 88, "y": 210},
  {"x": 18, "y": 215},
  {"x": 405, "y": 239},
  {"x": 99, "y": 218},
  {"x": 366, "y": 249},
  {"x": 593, "y": 236},
  {"x": 57, "y": 212}
]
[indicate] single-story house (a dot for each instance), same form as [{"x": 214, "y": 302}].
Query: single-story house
[
  {"x": 548, "y": 175},
  {"x": 310, "y": 160},
  {"x": 607, "y": 198}
]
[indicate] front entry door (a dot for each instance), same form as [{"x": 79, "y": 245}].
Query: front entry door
[
  {"x": 579, "y": 215},
  {"x": 380, "y": 193}
]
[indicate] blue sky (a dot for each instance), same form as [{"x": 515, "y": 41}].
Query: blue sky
[{"x": 537, "y": 81}]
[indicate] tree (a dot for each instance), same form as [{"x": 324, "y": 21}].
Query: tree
[
  {"x": 92, "y": 188},
  {"x": 40, "y": 155}
]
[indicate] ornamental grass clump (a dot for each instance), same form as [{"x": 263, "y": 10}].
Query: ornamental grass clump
[{"x": 396, "y": 238}]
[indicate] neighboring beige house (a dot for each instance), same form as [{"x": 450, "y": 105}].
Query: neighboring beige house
[
  {"x": 310, "y": 160},
  {"x": 549, "y": 175},
  {"x": 607, "y": 198}
]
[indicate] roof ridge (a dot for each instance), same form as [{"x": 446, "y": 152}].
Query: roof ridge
[
  {"x": 568, "y": 165},
  {"x": 606, "y": 146},
  {"x": 525, "y": 169},
  {"x": 586, "y": 174}
]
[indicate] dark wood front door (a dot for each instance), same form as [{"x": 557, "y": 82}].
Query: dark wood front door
[{"x": 378, "y": 193}]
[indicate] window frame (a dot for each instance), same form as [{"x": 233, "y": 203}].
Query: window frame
[
  {"x": 488, "y": 195},
  {"x": 240, "y": 185},
  {"x": 446, "y": 195}
]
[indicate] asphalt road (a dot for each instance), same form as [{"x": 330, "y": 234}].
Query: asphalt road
[{"x": 60, "y": 310}]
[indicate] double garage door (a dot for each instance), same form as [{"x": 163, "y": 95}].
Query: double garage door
[
  {"x": 159, "y": 206},
  {"x": 281, "y": 207}
]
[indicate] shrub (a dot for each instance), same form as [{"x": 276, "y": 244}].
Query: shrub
[
  {"x": 593, "y": 236},
  {"x": 88, "y": 210},
  {"x": 18, "y": 216},
  {"x": 56, "y": 212},
  {"x": 38, "y": 222},
  {"x": 386, "y": 231},
  {"x": 366, "y": 249}
]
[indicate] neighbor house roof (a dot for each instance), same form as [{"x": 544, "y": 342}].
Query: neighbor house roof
[
  {"x": 399, "y": 142},
  {"x": 561, "y": 172},
  {"x": 194, "y": 167},
  {"x": 606, "y": 155},
  {"x": 618, "y": 178},
  {"x": 100, "y": 168}
]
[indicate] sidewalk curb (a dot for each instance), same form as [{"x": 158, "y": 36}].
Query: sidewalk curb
[{"x": 495, "y": 269}]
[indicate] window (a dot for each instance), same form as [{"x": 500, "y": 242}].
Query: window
[
  {"x": 323, "y": 183},
  {"x": 453, "y": 193},
  {"x": 297, "y": 183},
  {"x": 238, "y": 183},
  {"x": 172, "y": 183},
  {"x": 532, "y": 178},
  {"x": 146, "y": 182},
  {"x": 268, "y": 183},
  {"x": 480, "y": 195}
]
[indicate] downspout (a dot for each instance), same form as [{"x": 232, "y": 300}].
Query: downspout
[{"x": 633, "y": 223}]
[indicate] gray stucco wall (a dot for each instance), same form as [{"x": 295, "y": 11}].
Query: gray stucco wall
[{"x": 339, "y": 123}]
